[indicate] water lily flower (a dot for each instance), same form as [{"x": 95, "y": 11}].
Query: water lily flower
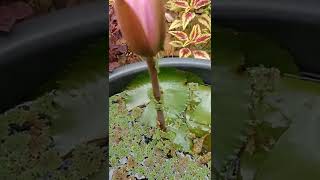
[{"x": 142, "y": 23}]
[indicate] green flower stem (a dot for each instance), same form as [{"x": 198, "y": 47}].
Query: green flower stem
[{"x": 156, "y": 90}]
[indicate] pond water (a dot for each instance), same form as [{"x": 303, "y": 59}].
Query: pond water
[
  {"x": 265, "y": 113},
  {"x": 60, "y": 134}
]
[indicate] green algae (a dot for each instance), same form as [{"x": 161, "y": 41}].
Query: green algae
[{"x": 265, "y": 138}]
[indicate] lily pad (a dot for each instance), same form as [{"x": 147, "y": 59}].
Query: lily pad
[
  {"x": 139, "y": 89},
  {"x": 296, "y": 153},
  {"x": 298, "y": 100},
  {"x": 235, "y": 48},
  {"x": 230, "y": 111},
  {"x": 199, "y": 119}
]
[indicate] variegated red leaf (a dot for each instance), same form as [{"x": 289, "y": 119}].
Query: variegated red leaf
[
  {"x": 184, "y": 52},
  {"x": 176, "y": 44},
  {"x": 195, "y": 32},
  {"x": 203, "y": 38},
  {"x": 201, "y": 3},
  {"x": 168, "y": 17},
  {"x": 200, "y": 54},
  {"x": 204, "y": 22},
  {"x": 186, "y": 43},
  {"x": 206, "y": 17},
  {"x": 186, "y": 18},
  {"x": 175, "y": 24},
  {"x": 181, "y": 4},
  {"x": 180, "y": 35},
  {"x": 193, "y": 3}
]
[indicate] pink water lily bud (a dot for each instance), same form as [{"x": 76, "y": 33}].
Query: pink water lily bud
[{"x": 142, "y": 23}]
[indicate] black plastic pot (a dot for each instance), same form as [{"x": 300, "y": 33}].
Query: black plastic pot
[
  {"x": 294, "y": 24},
  {"x": 39, "y": 47},
  {"x": 119, "y": 78}
]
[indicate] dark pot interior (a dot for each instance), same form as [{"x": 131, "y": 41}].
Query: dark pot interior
[
  {"x": 38, "y": 48},
  {"x": 293, "y": 24}
]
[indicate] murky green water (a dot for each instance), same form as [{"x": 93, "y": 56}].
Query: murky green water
[{"x": 262, "y": 132}]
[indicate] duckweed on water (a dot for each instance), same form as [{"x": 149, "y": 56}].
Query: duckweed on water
[{"x": 139, "y": 149}]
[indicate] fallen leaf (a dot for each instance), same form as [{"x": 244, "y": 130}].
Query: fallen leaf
[
  {"x": 21, "y": 10},
  {"x": 7, "y": 20}
]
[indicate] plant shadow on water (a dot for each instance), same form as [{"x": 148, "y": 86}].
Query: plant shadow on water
[
  {"x": 61, "y": 133},
  {"x": 138, "y": 149},
  {"x": 266, "y": 116}
]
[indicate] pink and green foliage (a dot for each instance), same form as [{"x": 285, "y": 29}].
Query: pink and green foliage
[{"x": 192, "y": 28}]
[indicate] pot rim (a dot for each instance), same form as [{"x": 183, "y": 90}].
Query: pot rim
[
  {"x": 163, "y": 62},
  {"x": 304, "y": 13}
]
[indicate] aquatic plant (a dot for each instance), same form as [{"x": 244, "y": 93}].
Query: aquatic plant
[{"x": 142, "y": 24}]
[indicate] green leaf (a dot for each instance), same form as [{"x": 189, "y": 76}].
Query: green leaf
[
  {"x": 230, "y": 111},
  {"x": 81, "y": 114},
  {"x": 181, "y": 138},
  {"x": 235, "y": 48},
  {"x": 149, "y": 115},
  {"x": 138, "y": 89},
  {"x": 199, "y": 119},
  {"x": 296, "y": 152}
]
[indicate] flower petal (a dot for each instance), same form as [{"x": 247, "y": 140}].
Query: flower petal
[
  {"x": 200, "y": 54},
  {"x": 132, "y": 30},
  {"x": 142, "y": 24},
  {"x": 201, "y": 3},
  {"x": 186, "y": 18},
  {"x": 180, "y": 35},
  {"x": 184, "y": 53},
  {"x": 176, "y": 43},
  {"x": 175, "y": 24},
  {"x": 203, "y": 38}
]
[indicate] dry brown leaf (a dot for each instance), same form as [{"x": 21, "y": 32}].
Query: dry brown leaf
[{"x": 205, "y": 158}]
